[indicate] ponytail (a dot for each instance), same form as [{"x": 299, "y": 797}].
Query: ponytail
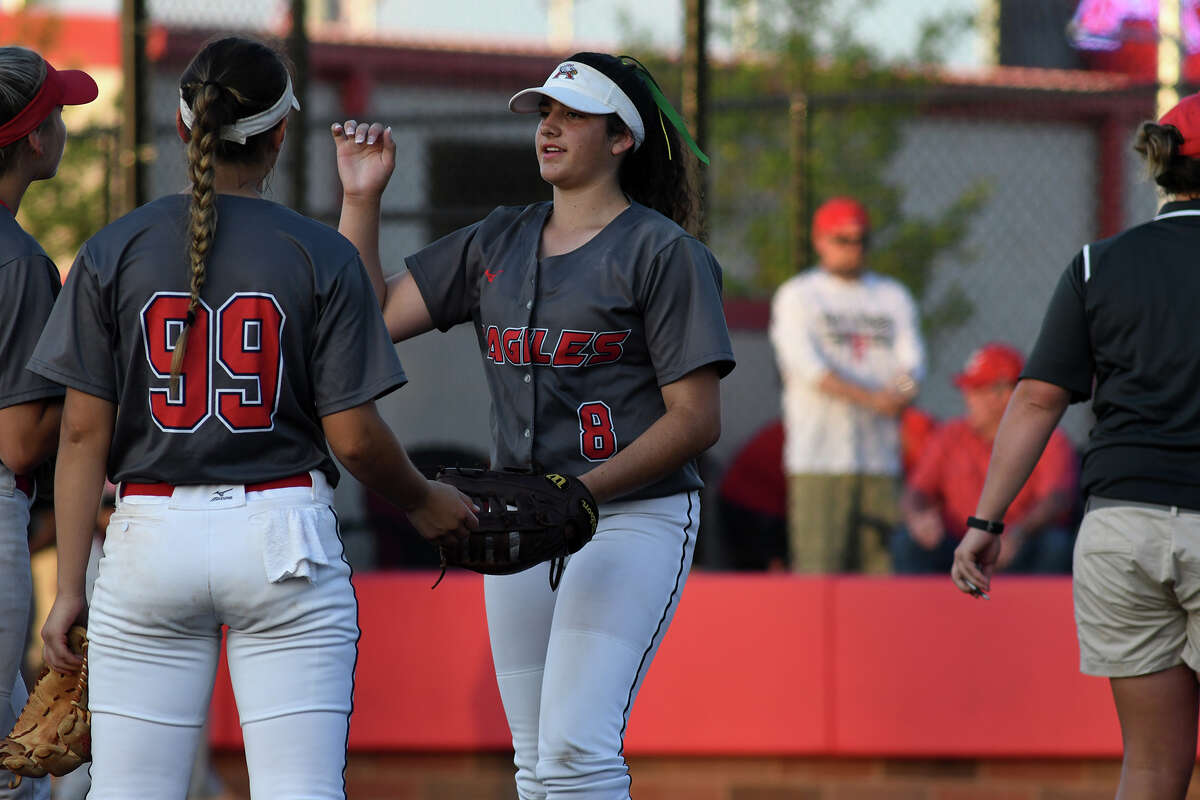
[
  {"x": 202, "y": 210},
  {"x": 228, "y": 80},
  {"x": 1174, "y": 172}
]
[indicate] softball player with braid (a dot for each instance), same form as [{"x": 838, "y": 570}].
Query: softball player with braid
[
  {"x": 603, "y": 339},
  {"x": 32, "y": 137},
  {"x": 211, "y": 344}
]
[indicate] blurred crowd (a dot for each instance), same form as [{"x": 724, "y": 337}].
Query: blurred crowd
[{"x": 855, "y": 477}]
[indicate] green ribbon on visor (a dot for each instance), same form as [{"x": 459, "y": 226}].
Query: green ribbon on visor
[{"x": 665, "y": 108}]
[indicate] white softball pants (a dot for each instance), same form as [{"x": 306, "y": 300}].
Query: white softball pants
[
  {"x": 16, "y": 594},
  {"x": 174, "y": 571},
  {"x": 569, "y": 663}
]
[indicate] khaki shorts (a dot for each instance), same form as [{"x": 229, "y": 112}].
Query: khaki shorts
[{"x": 1137, "y": 588}]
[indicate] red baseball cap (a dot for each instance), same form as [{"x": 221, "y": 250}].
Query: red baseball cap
[
  {"x": 70, "y": 87},
  {"x": 995, "y": 362},
  {"x": 1186, "y": 117},
  {"x": 840, "y": 212}
]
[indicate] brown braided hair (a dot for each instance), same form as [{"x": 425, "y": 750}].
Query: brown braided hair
[{"x": 228, "y": 79}]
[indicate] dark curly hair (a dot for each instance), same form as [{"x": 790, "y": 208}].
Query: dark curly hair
[{"x": 656, "y": 174}]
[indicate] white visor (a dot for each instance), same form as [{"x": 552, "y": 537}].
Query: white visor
[
  {"x": 585, "y": 89},
  {"x": 244, "y": 128}
]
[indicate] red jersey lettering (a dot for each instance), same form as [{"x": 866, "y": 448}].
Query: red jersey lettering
[
  {"x": 608, "y": 347},
  {"x": 247, "y": 332},
  {"x": 513, "y": 341},
  {"x": 251, "y": 326},
  {"x": 569, "y": 352},
  {"x": 162, "y": 322},
  {"x": 536, "y": 340},
  {"x": 494, "y": 351},
  {"x": 597, "y": 438}
]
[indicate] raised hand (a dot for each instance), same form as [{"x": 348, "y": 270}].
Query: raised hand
[{"x": 366, "y": 156}]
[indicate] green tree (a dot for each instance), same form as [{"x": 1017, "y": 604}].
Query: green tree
[
  {"x": 857, "y": 103},
  {"x": 63, "y": 212}
]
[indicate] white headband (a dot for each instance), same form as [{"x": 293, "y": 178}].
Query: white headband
[
  {"x": 246, "y": 127},
  {"x": 583, "y": 88}
]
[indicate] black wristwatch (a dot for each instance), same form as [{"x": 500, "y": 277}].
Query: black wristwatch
[{"x": 991, "y": 526}]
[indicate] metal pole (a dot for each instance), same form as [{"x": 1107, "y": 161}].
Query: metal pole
[
  {"x": 1168, "y": 56},
  {"x": 695, "y": 93},
  {"x": 560, "y": 23},
  {"x": 988, "y": 25},
  {"x": 298, "y": 124},
  {"x": 133, "y": 144},
  {"x": 798, "y": 122}
]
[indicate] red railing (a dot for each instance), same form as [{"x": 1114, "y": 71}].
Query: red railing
[{"x": 755, "y": 665}]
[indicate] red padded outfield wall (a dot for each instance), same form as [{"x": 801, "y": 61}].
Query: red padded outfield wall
[{"x": 757, "y": 665}]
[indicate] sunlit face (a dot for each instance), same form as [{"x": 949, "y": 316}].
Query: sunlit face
[
  {"x": 842, "y": 252},
  {"x": 574, "y": 148},
  {"x": 985, "y": 406}
]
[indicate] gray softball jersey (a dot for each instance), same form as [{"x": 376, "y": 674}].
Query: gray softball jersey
[
  {"x": 577, "y": 346},
  {"x": 289, "y": 331},
  {"x": 28, "y": 285}
]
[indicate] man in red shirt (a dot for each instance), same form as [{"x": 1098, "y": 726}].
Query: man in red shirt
[{"x": 943, "y": 488}]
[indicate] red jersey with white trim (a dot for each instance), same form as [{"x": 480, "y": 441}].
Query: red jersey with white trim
[
  {"x": 576, "y": 347},
  {"x": 288, "y": 331}
]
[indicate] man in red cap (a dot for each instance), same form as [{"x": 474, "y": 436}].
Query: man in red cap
[
  {"x": 850, "y": 355},
  {"x": 944, "y": 486}
]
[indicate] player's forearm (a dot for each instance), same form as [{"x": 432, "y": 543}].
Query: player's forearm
[
  {"x": 691, "y": 424},
  {"x": 666, "y": 446},
  {"x": 389, "y": 472},
  {"x": 367, "y": 447},
  {"x": 29, "y": 434},
  {"x": 359, "y": 223},
  {"x": 1031, "y": 416},
  {"x": 79, "y": 484}
]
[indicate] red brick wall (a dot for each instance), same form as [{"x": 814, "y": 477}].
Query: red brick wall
[{"x": 488, "y": 776}]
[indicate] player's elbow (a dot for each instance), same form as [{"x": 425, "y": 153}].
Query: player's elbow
[
  {"x": 27, "y": 443},
  {"x": 704, "y": 430},
  {"x": 354, "y": 436},
  {"x": 354, "y": 451},
  {"x": 19, "y": 457}
]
